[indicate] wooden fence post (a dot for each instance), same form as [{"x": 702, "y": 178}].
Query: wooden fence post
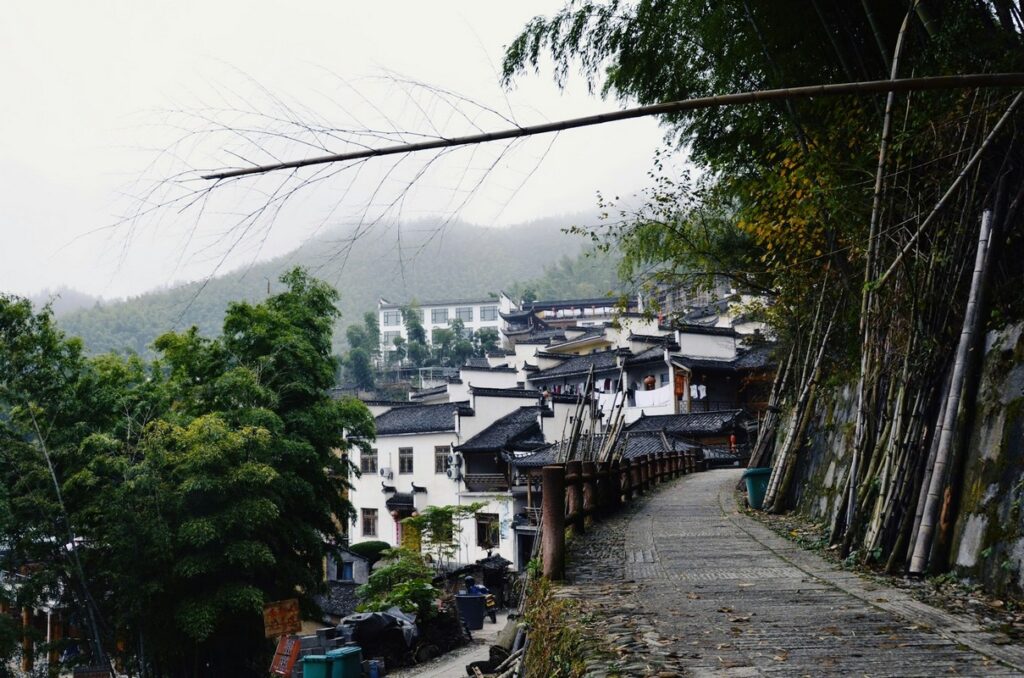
[
  {"x": 603, "y": 491},
  {"x": 589, "y": 475},
  {"x": 27, "y": 650},
  {"x": 638, "y": 486},
  {"x": 574, "y": 487},
  {"x": 553, "y": 522},
  {"x": 613, "y": 491},
  {"x": 627, "y": 480}
]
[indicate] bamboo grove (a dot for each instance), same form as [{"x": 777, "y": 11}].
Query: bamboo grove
[{"x": 885, "y": 232}]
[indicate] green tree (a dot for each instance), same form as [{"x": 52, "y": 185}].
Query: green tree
[
  {"x": 195, "y": 488},
  {"x": 361, "y": 368}
]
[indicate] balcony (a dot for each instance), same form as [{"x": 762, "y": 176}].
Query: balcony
[{"x": 486, "y": 482}]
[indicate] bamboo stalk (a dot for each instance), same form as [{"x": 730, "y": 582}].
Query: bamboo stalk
[
  {"x": 740, "y": 98},
  {"x": 926, "y": 532},
  {"x": 971, "y": 165}
]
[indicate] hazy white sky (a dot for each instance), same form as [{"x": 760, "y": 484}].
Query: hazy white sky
[{"x": 92, "y": 91}]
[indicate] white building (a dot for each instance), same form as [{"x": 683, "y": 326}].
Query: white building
[{"x": 475, "y": 314}]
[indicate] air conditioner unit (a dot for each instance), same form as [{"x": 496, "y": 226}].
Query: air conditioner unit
[
  {"x": 454, "y": 472},
  {"x": 386, "y": 472},
  {"x": 454, "y": 460}
]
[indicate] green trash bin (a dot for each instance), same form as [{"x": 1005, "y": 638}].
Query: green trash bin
[
  {"x": 316, "y": 666},
  {"x": 347, "y": 662},
  {"x": 757, "y": 484}
]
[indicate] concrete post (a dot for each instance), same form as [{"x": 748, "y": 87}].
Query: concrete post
[{"x": 553, "y": 522}]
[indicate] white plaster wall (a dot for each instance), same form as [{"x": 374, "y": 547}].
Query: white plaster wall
[
  {"x": 707, "y": 346},
  {"x": 366, "y": 492},
  {"x": 488, "y": 379},
  {"x": 505, "y": 506},
  {"x": 488, "y": 409}
]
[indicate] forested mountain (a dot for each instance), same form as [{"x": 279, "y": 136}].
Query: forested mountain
[
  {"x": 427, "y": 262},
  {"x": 64, "y": 300},
  {"x": 593, "y": 273}
]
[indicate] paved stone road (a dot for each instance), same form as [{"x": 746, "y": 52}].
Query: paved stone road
[{"x": 703, "y": 590}]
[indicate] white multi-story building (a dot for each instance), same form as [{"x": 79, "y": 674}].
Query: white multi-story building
[{"x": 475, "y": 314}]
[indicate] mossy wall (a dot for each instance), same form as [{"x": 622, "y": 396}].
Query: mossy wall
[
  {"x": 988, "y": 539},
  {"x": 825, "y": 460}
]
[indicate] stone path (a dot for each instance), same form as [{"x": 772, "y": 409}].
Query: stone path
[{"x": 686, "y": 584}]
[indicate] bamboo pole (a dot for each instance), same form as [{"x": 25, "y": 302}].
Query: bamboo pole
[
  {"x": 699, "y": 103},
  {"x": 926, "y": 531}
]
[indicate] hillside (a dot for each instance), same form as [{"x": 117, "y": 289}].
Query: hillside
[{"x": 463, "y": 260}]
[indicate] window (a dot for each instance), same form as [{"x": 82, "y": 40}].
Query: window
[
  {"x": 464, "y": 313},
  {"x": 488, "y": 532},
  {"x": 369, "y": 522},
  {"x": 368, "y": 461},
  {"x": 488, "y": 313},
  {"x": 405, "y": 460},
  {"x": 392, "y": 318},
  {"x": 388, "y": 338},
  {"x": 346, "y": 572},
  {"x": 439, "y": 315},
  {"x": 441, "y": 458}
]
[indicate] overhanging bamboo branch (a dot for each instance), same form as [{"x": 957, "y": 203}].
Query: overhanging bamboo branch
[{"x": 739, "y": 98}]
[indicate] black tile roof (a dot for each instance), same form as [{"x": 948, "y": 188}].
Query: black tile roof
[
  {"x": 542, "y": 457},
  {"x": 424, "y": 392},
  {"x": 687, "y": 328},
  {"x": 695, "y": 423},
  {"x": 602, "y": 361},
  {"x": 420, "y": 418},
  {"x": 653, "y": 354},
  {"x": 340, "y": 599},
  {"x": 756, "y": 358},
  {"x": 476, "y": 362},
  {"x": 659, "y": 339},
  {"x": 518, "y": 430},
  {"x": 572, "y": 303},
  {"x": 385, "y": 304},
  {"x": 400, "y": 501},
  {"x": 530, "y": 394}
]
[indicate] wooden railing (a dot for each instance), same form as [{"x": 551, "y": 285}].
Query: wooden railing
[{"x": 576, "y": 491}]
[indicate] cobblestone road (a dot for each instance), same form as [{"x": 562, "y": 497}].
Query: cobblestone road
[{"x": 700, "y": 589}]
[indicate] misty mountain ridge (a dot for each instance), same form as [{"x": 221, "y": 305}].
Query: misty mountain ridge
[{"x": 422, "y": 260}]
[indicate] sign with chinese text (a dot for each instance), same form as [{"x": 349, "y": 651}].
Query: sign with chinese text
[
  {"x": 281, "y": 617},
  {"x": 285, "y": 656}
]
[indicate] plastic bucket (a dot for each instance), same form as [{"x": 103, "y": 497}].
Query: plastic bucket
[
  {"x": 316, "y": 666},
  {"x": 471, "y": 609},
  {"x": 757, "y": 484},
  {"x": 347, "y": 662}
]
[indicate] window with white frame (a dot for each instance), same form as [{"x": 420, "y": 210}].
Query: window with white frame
[
  {"x": 405, "y": 460},
  {"x": 488, "y": 313},
  {"x": 441, "y": 458},
  {"x": 464, "y": 313},
  {"x": 438, "y": 315},
  {"x": 368, "y": 461},
  {"x": 488, "y": 530},
  {"x": 369, "y": 517},
  {"x": 392, "y": 318},
  {"x": 389, "y": 339}
]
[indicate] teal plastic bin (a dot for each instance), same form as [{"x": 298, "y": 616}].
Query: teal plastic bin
[
  {"x": 346, "y": 662},
  {"x": 757, "y": 484},
  {"x": 316, "y": 666}
]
